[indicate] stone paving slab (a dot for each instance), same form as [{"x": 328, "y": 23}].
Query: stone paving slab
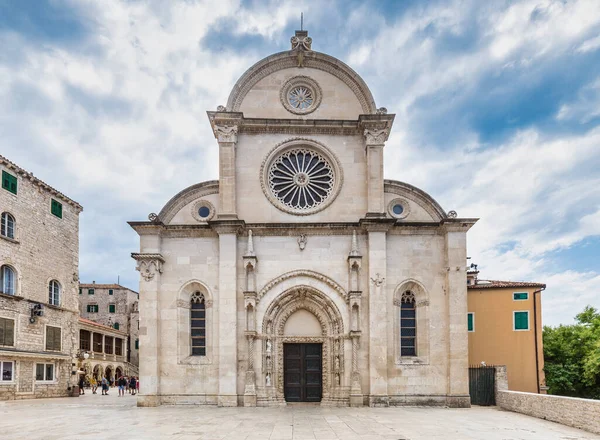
[{"x": 112, "y": 417}]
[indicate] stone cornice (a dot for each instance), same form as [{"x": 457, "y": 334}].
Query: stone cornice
[
  {"x": 227, "y": 226},
  {"x": 373, "y": 224},
  {"x": 458, "y": 224},
  {"x": 147, "y": 257},
  {"x": 147, "y": 228}
]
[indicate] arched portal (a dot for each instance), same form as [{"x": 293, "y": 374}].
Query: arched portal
[
  {"x": 98, "y": 372},
  {"x": 323, "y": 324},
  {"x": 118, "y": 373}
]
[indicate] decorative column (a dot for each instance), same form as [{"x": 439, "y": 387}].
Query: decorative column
[
  {"x": 456, "y": 296},
  {"x": 150, "y": 267},
  {"x": 250, "y": 262},
  {"x": 227, "y": 311},
  {"x": 225, "y": 128},
  {"x": 354, "y": 301}
]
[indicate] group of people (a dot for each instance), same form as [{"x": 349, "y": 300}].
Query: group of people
[{"x": 131, "y": 384}]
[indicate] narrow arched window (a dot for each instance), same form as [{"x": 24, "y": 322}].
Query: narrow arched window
[
  {"x": 7, "y": 225},
  {"x": 408, "y": 324},
  {"x": 54, "y": 293},
  {"x": 8, "y": 281},
  {"x": 198, "y": 324}
]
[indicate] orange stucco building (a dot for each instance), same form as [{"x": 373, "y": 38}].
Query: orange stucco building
[{"x": 505, "y": 328}]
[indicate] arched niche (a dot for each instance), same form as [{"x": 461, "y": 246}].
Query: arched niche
[{"x": 193, "y": 289}]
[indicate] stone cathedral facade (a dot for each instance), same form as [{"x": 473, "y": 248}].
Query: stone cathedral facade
[{"x": 302, "y": 274}]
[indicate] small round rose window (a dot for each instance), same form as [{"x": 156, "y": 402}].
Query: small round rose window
[
  {"x": 301, "y": 97},
  {"x": 301, "y": 179}
]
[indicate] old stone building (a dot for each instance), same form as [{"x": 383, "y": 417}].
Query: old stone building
[
  {"x": 39, "y": 253},
  {"x": 301, "y": 274},
  {"x": 114, "y": 306},
  {"x": 106, "y": 349}
]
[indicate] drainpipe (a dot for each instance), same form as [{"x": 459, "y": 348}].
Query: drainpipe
[{"x": 535, "y": 335}]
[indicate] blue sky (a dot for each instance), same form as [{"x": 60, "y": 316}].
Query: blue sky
[{"x": 497, "y": 104}]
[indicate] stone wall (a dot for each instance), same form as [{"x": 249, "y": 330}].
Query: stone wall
[{"x": 578, "y": 413}]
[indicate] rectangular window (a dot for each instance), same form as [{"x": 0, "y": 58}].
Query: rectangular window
[
  {"x": 9, "y": 182},
  {"x": 84, "y": 340},
  {"x": 7, "y": 331},
  {"x": 521, "y": 320},
  {"x": 92, "y": 308},
  {"x": 108, "y": 344},
  {"x": 111, "y": 308},
  {"x": 56, "y": 208},
  {"x": 119, "y": 347},
  {"x": 471, "y": 321},
  {"x": 53, "y": 338},
  {"x": 520, "y": 296},
  {"x": 7, "y": 368},
  {"x": 90, "y": 291},
  {"x": 110, "y": 291},
  {"x": 137, "y": 344},
  {"x": 80, "y": 290},
  {"x": 44, "y": 372},
  {"x": 97, "y": 343}
]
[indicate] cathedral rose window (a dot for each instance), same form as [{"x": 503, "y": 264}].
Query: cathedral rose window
[
  {"x": 301, "y": 95},
  {"x": 301, "y": 178}
]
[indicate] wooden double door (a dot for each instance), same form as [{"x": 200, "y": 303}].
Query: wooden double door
[{"x": 302, "y": 372}]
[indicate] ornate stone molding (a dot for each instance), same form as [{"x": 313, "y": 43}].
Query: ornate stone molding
[
  {"x": 374, "y": 136},
  {"x": 199, "y": 204},
  {"x": 226, "y": 133},
  {"x": 188, "y": 195},
  {"x": 306, "y": 273},
  {"x": 405, "y": 206},
  {"x": 148, "y": 264},
  {"x": 309, "y": 144},
  {"x": 310, "y": 59}
]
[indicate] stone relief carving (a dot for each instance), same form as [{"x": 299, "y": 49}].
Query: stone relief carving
[
  {"x": 226, "y": 133},
  {"x": 382, "y": 111},
  {"x": 376, "y": 136},
  {"x": 153, "y": 217},
  {"x": 302, "y": 240},
  {"x": 221, "y": 108},
  {"x": 452, "y": 214},
  {"x": 148, "y": 264},
  {"x": 301, "y": 42},
  {"x": 378, "y": 281}
]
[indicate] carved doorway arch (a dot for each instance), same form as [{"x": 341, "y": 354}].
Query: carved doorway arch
[{"x": 332, "y": 337}]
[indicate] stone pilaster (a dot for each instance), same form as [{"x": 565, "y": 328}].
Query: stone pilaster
[
  {"x": 456, "y": 294},
  {"x": 150, "y": 267},
  {"x": 227, "y": 311},
  {"x": 378, "y": 306}
]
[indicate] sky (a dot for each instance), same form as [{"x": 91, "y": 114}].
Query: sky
[{"x": 497, "y": 109}]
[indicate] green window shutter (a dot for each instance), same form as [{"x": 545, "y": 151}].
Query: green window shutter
[
  {"x": 7, "y": 331},
  {"x": 470, "y": 321},
  {"x": 111, "y": 308},
  {"x": 9, "y": 182},
  {"x": 520, "y": 296},
  {"x": 90, "y": 291},
  {"x": 56, "y": 208},
  {"x": 521, "y": 321},
  {"x": 53, "y": 338},
  {"x": 116, "y": 326},
  {"x": 110, "y": 291},
  {"x": 137, "y": 344}
]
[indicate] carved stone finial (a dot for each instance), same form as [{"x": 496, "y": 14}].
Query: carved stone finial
[
  {"x": 302, "y": 240},
  {"x": 250, "y": 249},
  {"x": 354, "y": 249},
  {"x": 452, "y": 214},
  {"x": 382, "y": 111},
  {"x": 221, "y": 108},
  {"x": 301, "y": 41},
  {"x": 153, "y": 217}
]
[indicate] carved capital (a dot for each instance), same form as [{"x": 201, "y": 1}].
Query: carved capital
[
  {"x": 354, "y": 298},
  {"x": 182, "y": 304},
  {"x": 148, "y": 264},
  {"x": 249, "y": 299},
  {"x": 226, "y": 133},
  {"x": 374, "y": 136}
]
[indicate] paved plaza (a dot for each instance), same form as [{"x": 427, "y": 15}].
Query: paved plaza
[{"x": 113, "y": 417}]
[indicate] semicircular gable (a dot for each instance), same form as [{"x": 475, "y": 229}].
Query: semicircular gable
[
  {"x": 417, "y": 196},
  {"x": 186, "y": 196},
  {"x": 312, "y": 59}
]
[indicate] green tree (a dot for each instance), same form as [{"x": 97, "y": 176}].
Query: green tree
[{"x": 572, "y": 356}]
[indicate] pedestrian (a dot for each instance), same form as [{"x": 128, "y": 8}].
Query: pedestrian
[
  {"x": 104, "y": 386},
  {"x": 81, "y": 384},
  {"x": 94, "y": 385},
  {"x": 122, "y": 383},
  {"x": 137, "y": 384},
  {"x": 132, "y": 384}
]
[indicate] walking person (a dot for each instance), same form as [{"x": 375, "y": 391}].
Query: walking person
[
  {"x": 81, "y": 384},
  {"x": 94, "y": 385},
  {"x": 104, "y": 386},
  {"x": 133, "y": 384},
  {"x": 122, "y": 383}
]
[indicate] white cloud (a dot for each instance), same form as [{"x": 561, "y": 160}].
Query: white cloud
[{"x": 589, "y": 45}]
